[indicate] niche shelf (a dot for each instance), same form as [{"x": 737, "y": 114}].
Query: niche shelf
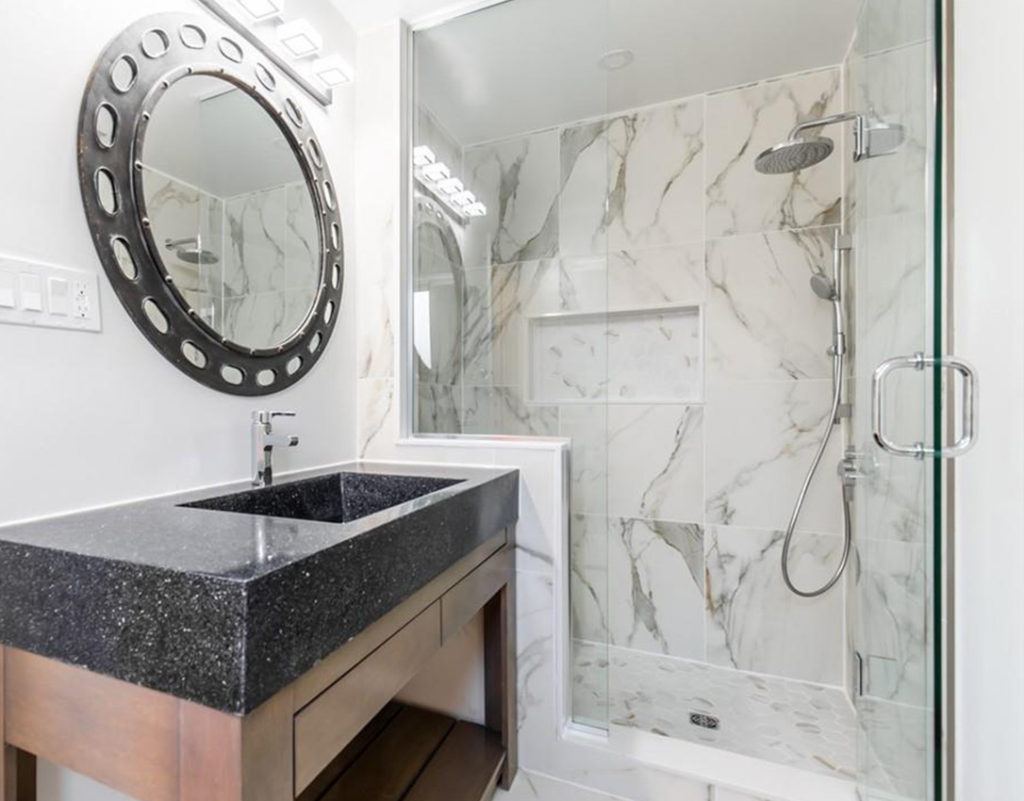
[{"x": 645, "y": 356}]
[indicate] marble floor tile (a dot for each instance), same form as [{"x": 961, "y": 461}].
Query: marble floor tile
[
  {"x": 763, "y": 320},
  {"x": 755, "y": 623},
  {"x": 743, "y": 122},
  {"x": 792, "y": 723}
]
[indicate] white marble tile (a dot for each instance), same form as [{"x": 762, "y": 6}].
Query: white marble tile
[
  {"x": 894, "y": 87},
  {"x": 656, "y": 586},
  {"x": 763, "y": 320},
  {"x": 884, "y": 25},
  {"x": 586, "y": 425},
  {"x": 588, "y": 581},
  {"x": 761, "y": 438},
  {"x": 657, "y": 276},
  {"x": 655, "y": 355},
  {"x": 743, "y": 122},
  {"x": 518, "y": 181},
  {"x": 791, "y": 723},
  {"x": 892, "y": 623},
  {"x": 633, "y": 181},
  {"x": 656, "y": 462},
  {"x": 499, "y": 300},
  {"x": 502, "y": 410},
  {"x": 438, "y": 409},
  {"x": 896, "y": 748},
  {"x": 377, "y": 411},
  {"x": 755, "y": 623}
]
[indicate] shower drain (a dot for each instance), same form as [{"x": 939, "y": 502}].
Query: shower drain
[{"x": 704, "y": 721}]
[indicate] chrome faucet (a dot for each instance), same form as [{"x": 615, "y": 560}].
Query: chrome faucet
[{"x": 264, "y": 440}]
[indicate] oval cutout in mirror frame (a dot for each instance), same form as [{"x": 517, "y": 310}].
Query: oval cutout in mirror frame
[{"x": 127, "y": 226}]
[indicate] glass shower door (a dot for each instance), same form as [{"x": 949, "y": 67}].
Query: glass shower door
[{"x": 895, "y": 589}]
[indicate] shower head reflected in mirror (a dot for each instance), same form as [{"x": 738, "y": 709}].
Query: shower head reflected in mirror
[
  {"x": 190, "y": 251},
  {"x": 801, "y": 151}
]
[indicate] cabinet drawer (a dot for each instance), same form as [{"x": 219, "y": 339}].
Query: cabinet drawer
[{"x": 329, "y": 722}]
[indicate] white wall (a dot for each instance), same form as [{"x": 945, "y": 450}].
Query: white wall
[
  {"x": 92, "y": 419},
  {"x": 989, "y": 300}
]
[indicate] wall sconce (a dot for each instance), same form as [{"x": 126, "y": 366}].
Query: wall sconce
[
  {"x": 422, "y": 156},
  {"x": 261, "y": 10},
  {"x": 436, "y": 178},
  {"x": 436, "y": 172},
  {"x": 300, "y": 38},
  {"x": 332, "y": 70}
]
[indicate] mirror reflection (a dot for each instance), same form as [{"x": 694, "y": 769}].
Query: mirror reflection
[{"x": 230, "y": 212}]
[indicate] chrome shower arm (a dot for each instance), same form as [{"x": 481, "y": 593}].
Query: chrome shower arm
[{"x": 832, "y": 119}]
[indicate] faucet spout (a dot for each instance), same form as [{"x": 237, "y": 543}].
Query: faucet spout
[{"x": 264, "y": 440}]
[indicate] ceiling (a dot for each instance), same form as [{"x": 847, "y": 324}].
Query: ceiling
[
  {"x": 365, "y": 15},
  {"x": 531, "y": 64}
]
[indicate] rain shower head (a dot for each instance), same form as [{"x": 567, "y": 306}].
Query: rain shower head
[
  {"x": 799, "y": 151},
  {"x": 795, "y": 154}
]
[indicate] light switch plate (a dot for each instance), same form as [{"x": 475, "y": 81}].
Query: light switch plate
[{"x": 48, "y": 295}]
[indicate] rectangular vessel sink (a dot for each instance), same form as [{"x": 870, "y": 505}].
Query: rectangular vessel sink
[{"x": 336, "y": 498}]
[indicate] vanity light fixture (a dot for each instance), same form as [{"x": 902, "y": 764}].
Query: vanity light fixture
[
  {"x": 447, "y": 190},
  {"x": 262, "y": 10},
  {"x": 422, "y": 156},
  {"x": 450, "y": 186},
  {"x": 300, "y": 39},
  {"x": 332, "y": 70},
  {"x": 437, "y": 172}
]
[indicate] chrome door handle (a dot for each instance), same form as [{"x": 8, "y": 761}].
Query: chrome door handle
[{"x": 968, "y": 411}]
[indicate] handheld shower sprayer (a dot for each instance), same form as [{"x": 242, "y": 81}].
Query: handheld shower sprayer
[{"x": 830, "y": 289}]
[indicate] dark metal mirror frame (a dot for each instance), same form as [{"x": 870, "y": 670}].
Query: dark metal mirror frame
[{"x": 154, "y": 53}]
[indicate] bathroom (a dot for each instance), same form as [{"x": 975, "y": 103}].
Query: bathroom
[{"x": 686, "y": 302}]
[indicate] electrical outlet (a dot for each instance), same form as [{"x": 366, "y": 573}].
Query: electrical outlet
[{"x": 32, "y": 293}]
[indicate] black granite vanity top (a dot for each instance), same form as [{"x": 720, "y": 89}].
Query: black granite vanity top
[{"x": 185, "y": 595}]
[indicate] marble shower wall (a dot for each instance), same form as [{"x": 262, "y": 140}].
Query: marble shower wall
[
  {"x": 261, "y": 280},
  {"x": 638, "y": 287}
]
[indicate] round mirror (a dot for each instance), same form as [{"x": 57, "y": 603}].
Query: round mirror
[
  {"x": 230, "y": 212},
  {"x": 211, "y": 205}
]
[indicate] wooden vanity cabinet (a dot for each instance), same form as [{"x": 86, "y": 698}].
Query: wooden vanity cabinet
[{"x": 332, "y": 729}]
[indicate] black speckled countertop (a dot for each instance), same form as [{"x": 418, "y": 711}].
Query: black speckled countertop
[{"x": 223, "y": 607}]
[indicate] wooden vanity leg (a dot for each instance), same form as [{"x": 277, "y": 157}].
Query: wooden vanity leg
[
  {"x": 230, "y": 758},
  {"x": 17, "y": 768},
  {"x": 19, "y": 775},
  {"x": 500, "y": 675}
]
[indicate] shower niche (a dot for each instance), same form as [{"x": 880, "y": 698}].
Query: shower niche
[{"x": 646, "y": 355}]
